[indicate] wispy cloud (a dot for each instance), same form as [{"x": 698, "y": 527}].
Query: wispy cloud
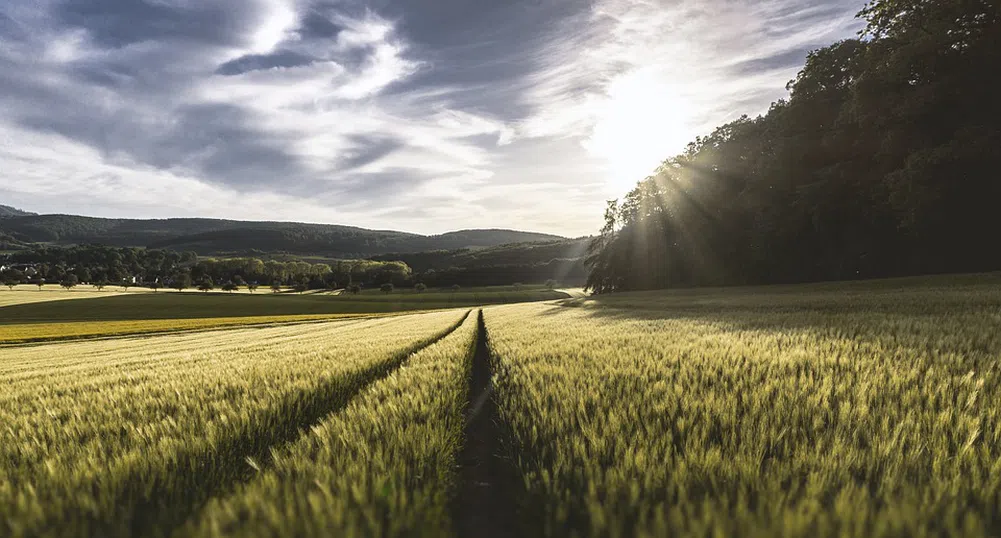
[
  {"x": 638, "y": 79},
  {"x": 423, "y": 115}
]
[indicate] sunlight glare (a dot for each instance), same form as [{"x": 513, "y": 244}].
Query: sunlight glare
[{"x": 644, "y": 121}]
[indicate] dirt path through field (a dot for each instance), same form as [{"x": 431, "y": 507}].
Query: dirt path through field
[{"x": 483, "y": 506}]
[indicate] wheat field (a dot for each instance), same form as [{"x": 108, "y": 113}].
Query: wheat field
[
  {"x": 849, "y": 410},
  {"x": 873, "y": 415}
]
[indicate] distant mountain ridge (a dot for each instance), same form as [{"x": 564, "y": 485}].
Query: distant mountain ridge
[
  {"x": 7, "y": 212},
  {"x": 213, "y": 236}
]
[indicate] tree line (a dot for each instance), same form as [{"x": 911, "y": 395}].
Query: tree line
[
  {"x": 529, "y": 263},
  {"x": 565, "y": 272},
  {"x": 117, "y": 266},
  {"x": 883, "y": 161},
  {"x": 104, "y": 265}
]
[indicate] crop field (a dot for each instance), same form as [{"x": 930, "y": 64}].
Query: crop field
[
  {"x": 114, "y": 314},
  {"x": 198, "y": 305},
  {"x": 17, "y": 333},
  {"x": 864, "y": 409},
  {"x": 385, "y": 465},
  {"x": 115, "y": 439},
  {"x": 25, "y": 294}
]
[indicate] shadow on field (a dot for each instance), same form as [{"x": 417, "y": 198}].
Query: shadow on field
[
  {"x": 148, "y": 306},
  {"x": 888, "y": 316},
  {"x": 797, "y": 305}
]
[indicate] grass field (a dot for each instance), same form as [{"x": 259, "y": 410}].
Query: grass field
[{"x": 865, "y": 409}]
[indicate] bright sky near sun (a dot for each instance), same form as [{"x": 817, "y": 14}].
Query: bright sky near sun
[{"x": 416, "y": 115}]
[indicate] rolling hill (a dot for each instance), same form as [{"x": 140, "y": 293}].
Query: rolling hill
[
  {"x": 214, "y": 237},
  {"x": 508, "y": 254},
  {"x": 7, "y": 212}
]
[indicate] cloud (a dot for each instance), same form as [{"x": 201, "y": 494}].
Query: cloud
[
  {"x": 646, "y": 76},
  {"x": 424, "y": 115},
  {"x": 257, "y": 62}
]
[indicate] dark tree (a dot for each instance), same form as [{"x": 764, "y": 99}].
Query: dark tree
[
  {"x": 230, "y": 286},
  {"x": 354, "y": 289},
  {"x": 386, "y": 288},
  {"x": 115, "y": 273},
  {"x": 420, "y": 287},
  {"x": 252, "y": 286},
  {"x": 181, "y": 280},
  {"x": 276, "y": 287},
  {"x": 881, "y": 162},
  {"x": 206, "y": 285},
  {"x": 12, "y": 277},
  {"x": 56, "y": 273},
  {"x": 329, "y": 281},
  {"x": 69, "y": 282}
]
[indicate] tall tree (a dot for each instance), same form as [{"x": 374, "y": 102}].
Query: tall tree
[{"x": 882, "y": 161}]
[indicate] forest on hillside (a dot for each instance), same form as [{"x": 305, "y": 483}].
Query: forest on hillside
[
  {"x": 883, "y": 161},
  {"x": 129, "y": 266},
  {"x": 214, "y": 237},
  {"x": 527, "y": 263}
]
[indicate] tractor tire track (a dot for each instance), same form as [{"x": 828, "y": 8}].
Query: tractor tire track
[
  {"x": 157, "y": 501},
  {"x": 483, "y": 506}
]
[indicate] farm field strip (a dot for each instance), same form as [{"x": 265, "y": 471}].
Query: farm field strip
[
  {"x": 79, "y": 330},
  {"x": 26, "y": 294},
  {"x": 385, "y": 465},
  {"x": 51, "y": 359},
  {"x": 139, "y": 307},
  {"x": 72, "y": 379},
  {"x": 162, "y": 442},
  {"x": 931, "y": 296},
  {"x": 98, "y": 364},
  {"x": 626, "y": 422}
]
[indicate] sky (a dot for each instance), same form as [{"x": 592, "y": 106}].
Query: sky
[{"x": 417, "y": 115}]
